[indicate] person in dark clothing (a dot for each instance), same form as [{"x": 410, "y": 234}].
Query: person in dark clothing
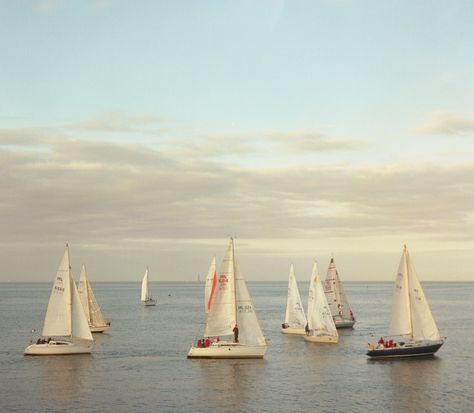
[
  {"x": 306, "y": 329},
  {"x": 236, "y": 334}
]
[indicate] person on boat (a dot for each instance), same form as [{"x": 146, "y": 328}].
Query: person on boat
[
  {"x": 236, "y": 334},
  {"x": 285, "y": 325},
  {"x": 207, "y": 342},
  {"x": 381, "y": 343},
  {"x": 306, "y": 329}
]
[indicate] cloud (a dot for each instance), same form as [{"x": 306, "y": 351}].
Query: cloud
[{"x": 447, "y": 124}]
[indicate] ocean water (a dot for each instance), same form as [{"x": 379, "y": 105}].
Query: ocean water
[{"x": 140, "y": 365}]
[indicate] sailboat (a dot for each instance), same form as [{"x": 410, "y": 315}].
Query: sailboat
[
  {"x": 295, "y": 320},
  {"x": 337, "y": 300},
  {"x": 321, "y": 326},
  {"x": 92, "y": 310},
  {"x": 231, "y": 313},
  {"x": 411, "y": 318},
  {"x": 65, "y": 328},
  {"x": 211, "y": 282},
  {"x": 147, "y": 300}
]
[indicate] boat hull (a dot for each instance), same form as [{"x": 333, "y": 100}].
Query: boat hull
[
  {"x": 99, "y": 329},
  {"x": 293, "y": 331},
  {"x": 58, "y": 348},
  {"x": 421, "y": 349},
  {"x": 344, "y": 323},
  {"x": 149, "y": 303},
  {"x": 228, "y": 351},
  {"x": 322, "y": 339}
]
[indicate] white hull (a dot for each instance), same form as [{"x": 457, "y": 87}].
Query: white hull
[
  {"x": 149, "y": 303},
  {"x": 344, "y": 323},
  {"x": 99, "y": 329},
  {"x": 293, "y": 331},
  {"x": 322, "y": 339},
  {"x": 224, "y": 350},
  {"x": 57, "y": 348}
]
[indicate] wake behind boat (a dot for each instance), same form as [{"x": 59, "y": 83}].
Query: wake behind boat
[
  {"x": 231, "y": 313},
  {"x": 295, "y": 319},
  {"x": 147, "y": 300},
  {"x": 92, "y": 310},
  {"x": 321, "y": 327},
  {"x": 65, "y": 328},
  {"x": 411, "y": 319}
]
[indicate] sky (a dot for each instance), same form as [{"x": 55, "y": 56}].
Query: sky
[{"x": 147, "y": 133}]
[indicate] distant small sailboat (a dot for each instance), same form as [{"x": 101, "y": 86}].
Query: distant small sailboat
[
  {"x": 411, "y": 319},
  {"x": 147, "y": 300},
  {"x": 65, "y": 328},
  {"x": 211, "y": 283},
  {"x": 231, "y": 313},
  {"x": 321, "y": 326},
  {"x": 337, "y": 299},
  {"x": 92, "y": 310},
  {"x": 295, "y": 319}
]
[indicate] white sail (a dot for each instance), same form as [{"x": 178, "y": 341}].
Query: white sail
[
  {"x": 57, "y": 321},
  {"x": 211, "y": 283},
  {"x": 80, "y": 325},
  {"x": 145, "y": 295},
  {"x": 411, "y": 314},
  {"x": 221, "y": 317},
  {"x": 335, "y": 295},
  {"x": 249, "y": 327},
  {"x": 320, "y": 320},
  {"x": 89, "y": 303},
  {"x": 294, "y": 315}
]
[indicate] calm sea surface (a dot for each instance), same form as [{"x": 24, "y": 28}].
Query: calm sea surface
[{"x": 140, "y": 365}]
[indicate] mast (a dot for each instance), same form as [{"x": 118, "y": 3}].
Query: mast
[{"x": 233, "y": 270}]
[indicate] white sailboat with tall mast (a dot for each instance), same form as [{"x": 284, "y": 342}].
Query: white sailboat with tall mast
[
  {"x": 411, "y": 322},
  {"x": 231, "y": 314},
  {"x": 65, "y": 328},
  {"x": 321, "y": 326},
  {"x": 92, "y": 309},
  {"x": 337, "y": 299},
  {"x": 147, "y": 300},
  {"x": 211, "y": 283},
  {"x": 295, "y": 319}
]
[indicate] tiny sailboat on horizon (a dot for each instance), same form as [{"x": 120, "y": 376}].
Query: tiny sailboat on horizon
[
  {"x": 295, "y": 319},
  {"x": 65, "y": 328},
  {"x": 411, "y": 323},
  {"x": 146, "y": 297}
]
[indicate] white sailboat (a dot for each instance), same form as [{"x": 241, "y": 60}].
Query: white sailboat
[
  {"x": 65, "y": 328},
  {"x": 147, "y": 300},
  {"x": 411, "y": 319},
  {"x": 295, "y": 319},
  {"x": 211, "y": 283},
  {"x": 321, "y": 326},
  {"x": 337, "y": 299},
  {"x": 92, "y": 310},
  {"x": 231, "y": 313}
]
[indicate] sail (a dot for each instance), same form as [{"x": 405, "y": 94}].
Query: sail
[
  {"x": 294, "y": 315},
  {"x": 422, "y": 321},
  {"x": 400, "y": 321},
  {"x": 145, "y": 295},
  {"x": 221, "y": 317},
  {"x": 80, "y": 326},
  {"x": 84, "y": 293},
  {"x": 320, "y": 320},
  {"x": 335, "y": 295},
  {"x": 211, "y": 282},
  {"x": 57, "y": 321},
  {"x": 249, "y": 327}
]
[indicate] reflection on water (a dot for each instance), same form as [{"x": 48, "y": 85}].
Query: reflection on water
[{"x": 61, "y": 377}]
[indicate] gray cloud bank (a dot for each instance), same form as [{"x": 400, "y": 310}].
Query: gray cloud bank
[{"x": 113, "y": 198}]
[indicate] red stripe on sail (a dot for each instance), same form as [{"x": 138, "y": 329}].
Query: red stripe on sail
[{"x": 214, "y": 283}]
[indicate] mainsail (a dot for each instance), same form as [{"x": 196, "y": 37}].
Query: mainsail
[
  {"x": 337, "y": 300},
  {"x": 89, "y": 302},
  {"x": 320, "y": 320},
  {"x": 294, "y": 315},
  {"x": 145, "y": 294},
  {"x": 411, "y": 315}
]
